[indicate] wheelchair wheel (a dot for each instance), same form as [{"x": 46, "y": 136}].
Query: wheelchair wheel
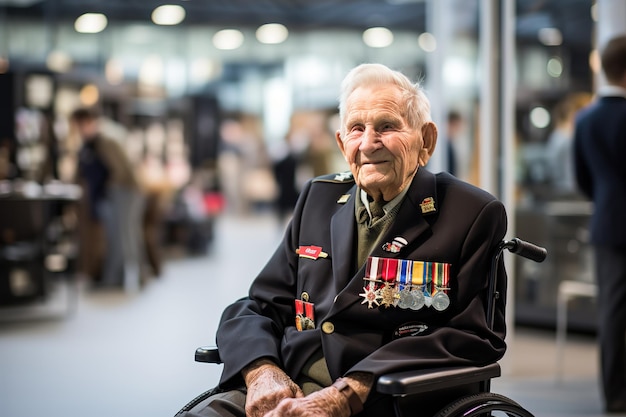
[
  {"x": 199, "y": 399},
  {"x": 484, "y": 404}
]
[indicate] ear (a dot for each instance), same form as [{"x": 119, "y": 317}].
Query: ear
[
  {"x": 340, "y": 144},
  {"x": 429, "y": 142}
]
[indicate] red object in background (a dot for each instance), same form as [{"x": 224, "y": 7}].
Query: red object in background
[{"x": 213, "y": 203}]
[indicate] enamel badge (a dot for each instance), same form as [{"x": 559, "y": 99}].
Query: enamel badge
[{"x": 428, "y": 205}]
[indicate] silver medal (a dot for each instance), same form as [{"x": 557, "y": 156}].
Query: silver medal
[
  {"x": 441, "y": 301},
  {"x": 406, "y": 299},
  {"x": 418, "y": 300}
]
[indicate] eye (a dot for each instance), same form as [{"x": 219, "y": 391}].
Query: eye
[
  {"x": 387, "y": 126},
  {"x": 356, "y": 128}
]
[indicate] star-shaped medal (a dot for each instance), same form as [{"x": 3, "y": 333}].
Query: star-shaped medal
[
  {"x": 370, "y": 296},
  {"x": 388, "y": 295}
]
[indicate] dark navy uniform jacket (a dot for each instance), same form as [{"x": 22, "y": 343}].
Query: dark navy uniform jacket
[
  {"x": 464, "y": 230},
  {"x": 599, "y": 150}
]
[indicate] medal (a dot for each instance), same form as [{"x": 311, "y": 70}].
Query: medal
[
  {"x": 418, "y": 299},
  {"x": 388, "y": 295},
  {"x": 370, "y": 295},
  {"x": 389, "y": 274},
  {"x": 305, "y": 318},
  {"x": 405, "y": 300},
  {"x": 419, "y": 279},
  {"x": 441, "y": 301},
  {"x": 405, "y": 283},
  {"x": 441, "y": 274}
]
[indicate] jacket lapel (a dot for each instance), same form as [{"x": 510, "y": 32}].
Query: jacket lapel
[{"x": 342, "y": 232}]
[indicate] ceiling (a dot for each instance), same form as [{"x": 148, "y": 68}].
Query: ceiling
[{"x": 571, "y": 17}]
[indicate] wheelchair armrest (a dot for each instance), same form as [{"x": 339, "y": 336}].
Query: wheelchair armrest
[
  {"x": 208, "y": 354},
  {"x": 424, "y": 380}
]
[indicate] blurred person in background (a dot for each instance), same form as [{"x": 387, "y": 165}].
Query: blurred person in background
[
  {"x": 599, "y": 150},
  {"x": 113, "y": 199},
  {"x": 284, "y": 167},
  {"x": 560, "y": 144},
  {"x": 455, "y": 127}
]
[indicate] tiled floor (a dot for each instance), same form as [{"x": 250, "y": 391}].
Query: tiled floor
[{"x": 124, "y": 355}]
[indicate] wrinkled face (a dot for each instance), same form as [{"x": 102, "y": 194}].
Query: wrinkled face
[{"x": 383, "y": 151}]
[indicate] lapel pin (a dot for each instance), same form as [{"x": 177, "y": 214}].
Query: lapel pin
[
  {"x": 428, "y": 205},
  {"x": 343, "y": 199},
  {"x": 395, "y": 246}
]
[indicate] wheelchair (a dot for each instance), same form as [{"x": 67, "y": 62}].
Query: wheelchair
[{"x": 440, "y": 382}]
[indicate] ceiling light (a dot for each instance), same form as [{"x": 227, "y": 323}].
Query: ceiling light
[
  {"x": 555, "y": 67},
  {"x": 550, "y": 36},
  {"x": 540, "y": 117},
  {"x": 272, "y": 33},
  {"x": 427, "y": 42},
  {"x": 168, "y": 14},
  {"x": 228, "y": 39},
  {"x": 378, "y": 37},
  {"x": 90, "y": 23}
]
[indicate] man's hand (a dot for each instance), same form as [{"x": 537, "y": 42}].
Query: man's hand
[
  {"x": 324, "y": 403},
  {"x": 267, "y": 386},
  {"x": 328, "y": 402}
]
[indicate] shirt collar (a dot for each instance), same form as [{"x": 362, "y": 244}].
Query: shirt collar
[
  {"x": 390, "y": 205},
  {"x": 611, "y": 91}
]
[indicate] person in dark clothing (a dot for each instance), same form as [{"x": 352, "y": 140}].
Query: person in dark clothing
[
  {"x": 599, "y": 149},
  {"x": 114, "y": 200},
  {"x": 349, "y": 294}
]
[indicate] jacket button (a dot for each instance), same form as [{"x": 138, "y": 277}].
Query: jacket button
[{"x": 328, "y": 327}]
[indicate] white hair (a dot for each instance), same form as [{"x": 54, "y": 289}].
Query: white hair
[{"x": 416, "y": 104}]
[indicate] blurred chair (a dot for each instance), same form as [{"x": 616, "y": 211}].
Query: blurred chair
[{"x": 567, "y": 290}]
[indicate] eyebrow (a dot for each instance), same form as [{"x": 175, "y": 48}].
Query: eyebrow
[{"x": 378, "y": 120}]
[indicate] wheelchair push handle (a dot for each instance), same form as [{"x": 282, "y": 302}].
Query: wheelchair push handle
[{"x": 526, "y": 249}]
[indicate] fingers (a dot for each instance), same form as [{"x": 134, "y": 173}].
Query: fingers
[
  {"x": 324, "y": 403},
  {"x": 265, "y": 395},
  {"x": 297, "y": 391}
]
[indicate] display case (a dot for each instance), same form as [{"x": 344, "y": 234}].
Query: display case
[{"x": 38, "y": 243}]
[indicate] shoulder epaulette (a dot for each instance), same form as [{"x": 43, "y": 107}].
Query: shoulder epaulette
[{"x": 340, "y": 178}]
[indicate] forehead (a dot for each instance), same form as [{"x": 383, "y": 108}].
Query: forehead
[{"x": 374, "y": 99}]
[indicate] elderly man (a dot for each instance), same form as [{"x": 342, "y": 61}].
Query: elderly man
[{"x": 382, "y": 269}]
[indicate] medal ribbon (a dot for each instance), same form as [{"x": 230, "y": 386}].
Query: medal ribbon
[
  {"x": 441, "y": 276},
  {"x": 373, "y": 268},
  {"x": 374, "y": 271},
  {"x": 389, "y": 269},
  {"x": 308, "y": 311},
  {"x": 406, "y": 274},
  {"x": 417, "y": 276},
  {"x": 428, "y": 278}
]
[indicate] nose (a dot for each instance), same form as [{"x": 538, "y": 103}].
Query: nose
[{"x": 370, "y": 140}]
